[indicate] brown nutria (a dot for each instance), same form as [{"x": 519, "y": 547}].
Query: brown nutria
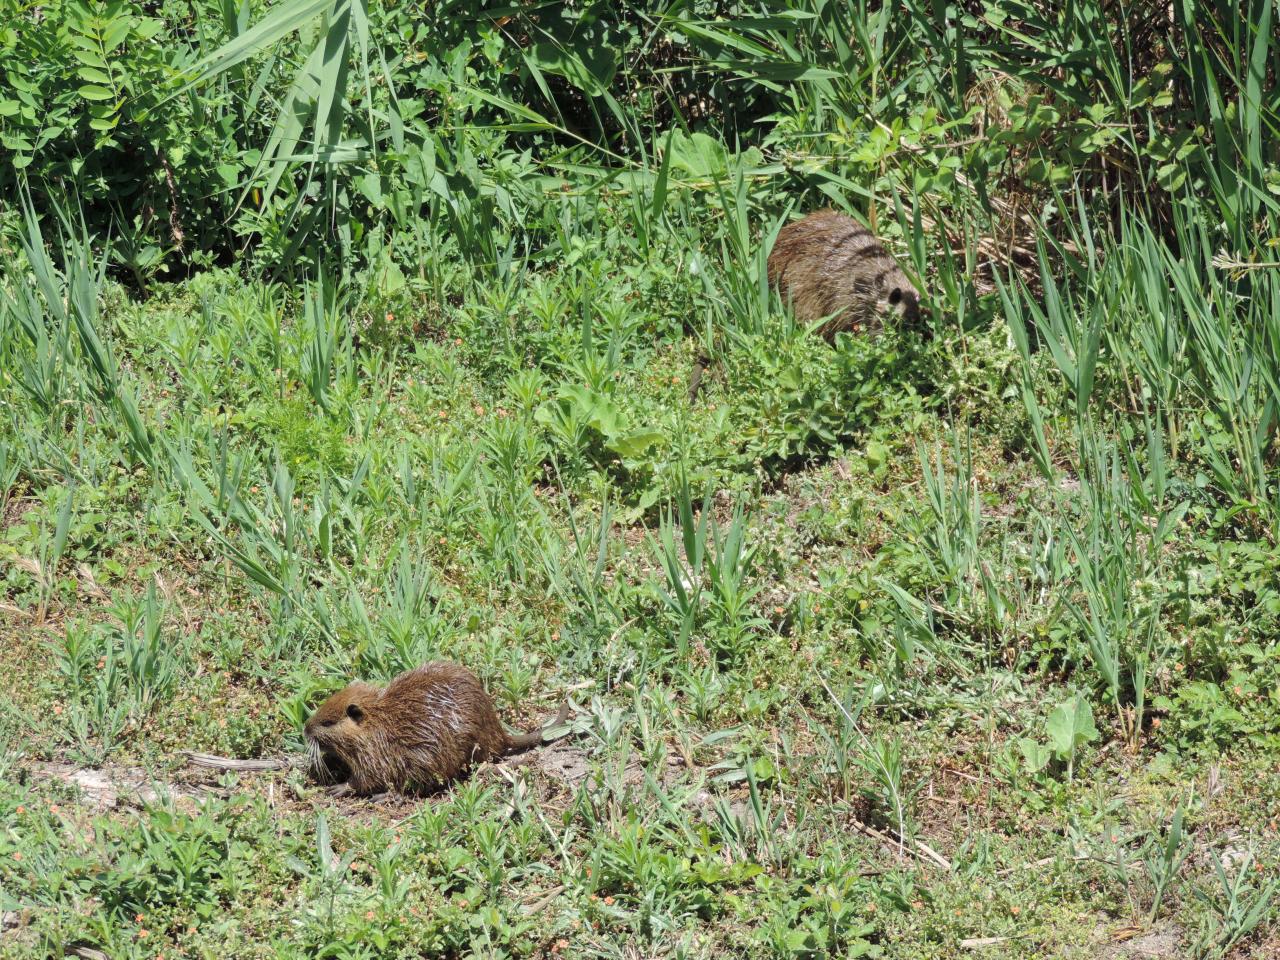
[
  {"x": 423, "y": 729},
  {"x": 828, "y": 265}
]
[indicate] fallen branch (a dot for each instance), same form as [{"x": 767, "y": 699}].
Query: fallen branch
[
  {"x": 915, "y": 847},
  {"x": 543, "y": 902},
  {"x": 240, "y": 766}
]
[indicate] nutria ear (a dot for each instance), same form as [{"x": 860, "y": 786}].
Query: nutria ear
[
  {"x": 354, "y": 712},
  {"x": 895, "y": 297}
]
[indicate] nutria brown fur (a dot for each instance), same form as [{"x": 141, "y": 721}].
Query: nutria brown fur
[
  {"x": 829, "y": 265},
  {"x": 426, "y": 727}
]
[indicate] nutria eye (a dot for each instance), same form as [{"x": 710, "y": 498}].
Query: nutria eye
[
  {"x": 327, "y": 723},
  {"x": 354, "y": 712},
  {"x": 895, "y": 297}
]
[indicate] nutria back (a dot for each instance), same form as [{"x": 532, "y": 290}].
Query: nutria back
[
  {"x": 428, "y": 726},
  {"x": 829, "y": 265}
]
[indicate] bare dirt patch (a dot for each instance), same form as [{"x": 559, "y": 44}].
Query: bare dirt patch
[
  {"x": 105, "y": 788},
  {"x": 1160, "y": 943}
]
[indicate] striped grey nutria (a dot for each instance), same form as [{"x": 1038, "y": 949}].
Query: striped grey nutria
[
  {"x": 830, "y": 265},
  {"x": 426, "y": 727}
]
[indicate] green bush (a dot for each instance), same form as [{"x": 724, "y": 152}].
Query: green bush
[{"x": 86, "y": 113}]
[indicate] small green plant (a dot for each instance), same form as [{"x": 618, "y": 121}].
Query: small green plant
[
  {"x": 682, "y": 563},
  {"x": 149, "y": 659},
  {"x": 879, "y": 757},
  {"x": 1069, "y": 729},
  {"x": 322, "y": 319},
  {"x": 52, "y": 546},
  {"x": 326, "y": 877},
  {"x": 1163, "y": 861},
  {"x": 1238, "y": 907},
  {"x": 581, "y": 419}
]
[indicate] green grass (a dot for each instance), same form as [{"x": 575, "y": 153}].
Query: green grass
[{"x": 956, "y": 642}]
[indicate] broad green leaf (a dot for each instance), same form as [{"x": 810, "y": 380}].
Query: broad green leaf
[
  {"x": 877, "y": 454},
  {"x": 91, "y": 91},
  {"x": 700, "y": 155},
  {"x": 390, "y": 279},
  {"x": 148, "y": 27},
  {"x": 1070, "y": 726},
  {"x": 90, "y": 57},
  {"x": 1035, "y": 755},
  {"x": 117, "y": 32},
  {"x": 595, "y": 410},
  {"x": 634, "y": 444},
  {"x": 21, "y": 83},
  {"x": 370, "y": 187}
]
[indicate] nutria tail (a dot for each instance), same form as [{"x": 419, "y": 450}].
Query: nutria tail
[{"x": 524, "y": 741}]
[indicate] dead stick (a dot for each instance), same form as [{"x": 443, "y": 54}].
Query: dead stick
[
  {"x": 544, "y": 902},
  {"x": 230, "y": 763},
  {"x": 916, "y": 847}
]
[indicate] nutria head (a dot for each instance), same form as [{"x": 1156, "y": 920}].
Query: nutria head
[
  {"x": 898, "y": 297},
  {"x": 335, "y": 729}
]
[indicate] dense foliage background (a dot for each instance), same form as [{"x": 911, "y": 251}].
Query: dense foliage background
[{"x": 339, "y": 335}]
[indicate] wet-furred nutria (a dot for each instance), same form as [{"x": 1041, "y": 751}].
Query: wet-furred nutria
[
  {"x": 829, "y": 265},
  {"x": 426, "y": 727}
]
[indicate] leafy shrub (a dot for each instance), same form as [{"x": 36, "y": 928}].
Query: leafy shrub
[
  {"x": 801, "y": 399},
  {"x": 169, "y": 859},
  {"x": 83, "y": 113}
]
